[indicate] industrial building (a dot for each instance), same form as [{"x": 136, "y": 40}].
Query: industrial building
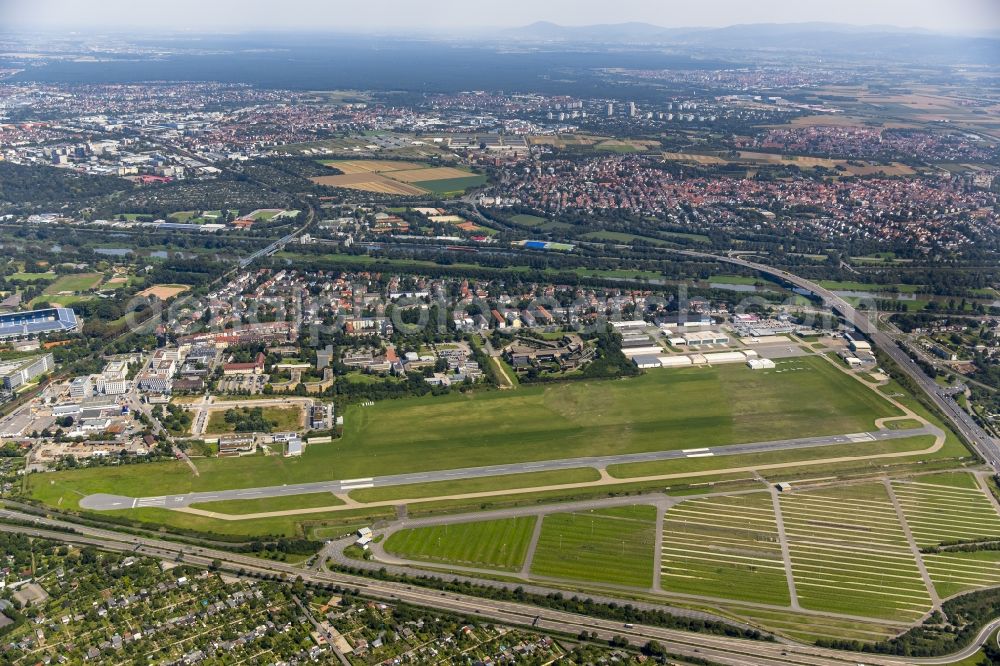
[
  {"x": 687, "y": 360},
  {"x": 760, "y": 364},
  {"x": 704, "y": 338},
  {"x": 646, "y": 361},
  {"x": 22, "y": 325},
  {"x": 16, "y": 373}
]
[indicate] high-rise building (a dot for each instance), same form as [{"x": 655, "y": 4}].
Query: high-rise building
[{"x": 611, "y": 109}]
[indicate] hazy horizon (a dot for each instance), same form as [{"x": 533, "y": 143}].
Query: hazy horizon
[{"x": 957, "y": 16}]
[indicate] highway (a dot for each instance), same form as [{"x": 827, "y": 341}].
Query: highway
[
  {"x": 719, "y": 649},
  {"x": 986, "y": 446},
  {"x": 105, "y": 502}
]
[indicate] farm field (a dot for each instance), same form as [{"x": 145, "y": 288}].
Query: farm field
[
  {"x": 428, "y": 173},
  {"x": 696, "y": 158},
  {"x": 493, "y": 544},
  {"x": 940, "y": 514},
  {"x": 367, "y": 166},
  {"x": 398, "y": 177},
  {"x": 751, "y": 158},
  {"x": 850, "y": 555},
  {"x": 602, "y": 546},
  {"x": 711, "y": 406},
  {"x": 724, "y": 547},
  {"x": 806, "y": 162},
  {"x": 450, "y": 185},
  {"x": 368, "y": 182}
]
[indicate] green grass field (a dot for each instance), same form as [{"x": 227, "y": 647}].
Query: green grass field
[
  {"x": 75, "y": 283},
  {"x": 287, "y": 503},
  {"x": 954, "y": 572},
  {"x": 492, "y": 544},
  {"x": 285, "y": 418},
  {"x": 850, "y": 555},
  {"x": 660, "y": 410},
  {"x": 603, "y": 546},
  {"x": 724, "y": 547},
  {"x": 939, "y": 513},
  {"x": 808, "y": 628},
  {"x": 504, "y": 482},
  {"x": 30, "y": 277},
  {"x": 528, "y": 220},
  {"x": 867, "y": 286},
  {"x": 733, "y": 279},
  {"x": 633, "y": 470}
]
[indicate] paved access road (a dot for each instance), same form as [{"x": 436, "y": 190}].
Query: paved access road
[{"x": 103, "y": 502}]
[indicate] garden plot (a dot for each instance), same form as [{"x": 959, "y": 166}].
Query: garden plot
[
  {"x": 945, "y": 514},
  {"x": 850, "y": 555},
  {"x": 724, "y": 547},
  {"x": 954, "y": 572}
]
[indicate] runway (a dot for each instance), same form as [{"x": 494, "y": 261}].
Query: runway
[{"x": 104, "y": 502}]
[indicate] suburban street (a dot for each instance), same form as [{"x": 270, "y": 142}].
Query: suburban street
[{"x": 105, "y": 502}]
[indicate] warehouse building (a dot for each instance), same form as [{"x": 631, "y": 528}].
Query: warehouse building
[
  {"x": 646, "y": 361},
  {"x": 760, "y": 363},
  {"x": 705, "y": 338}
]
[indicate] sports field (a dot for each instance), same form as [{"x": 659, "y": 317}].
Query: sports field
[
  {"x": 603, "y": 546},
  {"x": 724, "y": 547},
  {"x": 850, "y": 554},
  {"x": 492, "y": 544},
  {"x": 75, "y": 283},
  {"x": 662, "y": 410},
  {"x": 164, "y": 291}
]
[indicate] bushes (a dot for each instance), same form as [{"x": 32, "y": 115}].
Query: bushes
[{"x": 966, "y": 615}]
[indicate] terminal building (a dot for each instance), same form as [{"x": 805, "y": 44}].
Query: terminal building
[{"x": 24, "y": 325}]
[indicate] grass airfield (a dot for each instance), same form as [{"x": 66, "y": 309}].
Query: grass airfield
[{"x": 664, "y": 410}]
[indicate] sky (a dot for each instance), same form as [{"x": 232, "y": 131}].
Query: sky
[{"x": 953, "y": 16}]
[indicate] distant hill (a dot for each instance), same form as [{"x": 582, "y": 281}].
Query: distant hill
[{"x": 882, "y": 40}]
